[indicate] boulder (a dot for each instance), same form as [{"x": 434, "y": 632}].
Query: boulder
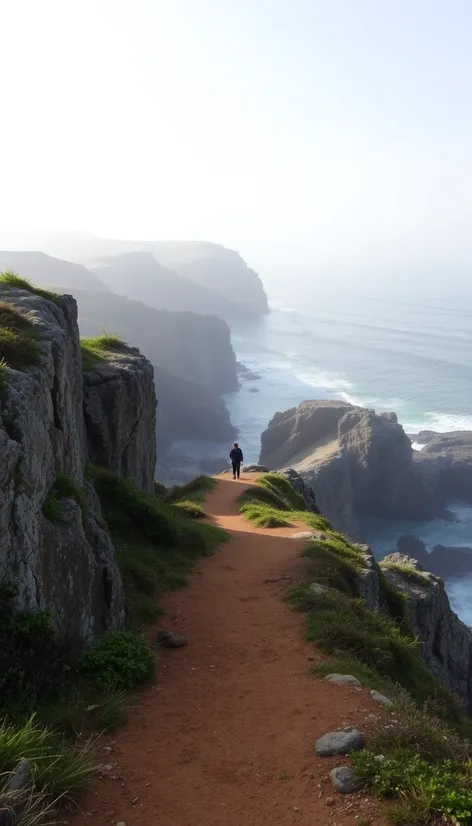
[
  {"x": 169, "y": 639},
  {"x": 343, "y": 679},
  {"x": 339, "y": 742},
  {"x": 20, "y": 776},
  {"x": 382, "y": 699},
  {"x": 344, "y": 779}
]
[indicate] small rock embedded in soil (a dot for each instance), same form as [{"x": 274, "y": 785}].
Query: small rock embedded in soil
[
  {"x": 339, "y": 742},
  {"x": 303, "y": 535},
  {"x": 382, "y": 699},
  {"x": 169, "y": 639},
  {"x": 20, "y": 776},
  {"x": 344, "y": 779},
  {"x": 343, "y": 679},
  {"x": 317, "y": 588}
]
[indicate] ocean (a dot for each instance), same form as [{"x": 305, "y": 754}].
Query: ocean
[{"x": 410, "y": 356}]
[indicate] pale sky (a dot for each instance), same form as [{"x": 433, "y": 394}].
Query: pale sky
[{"x": 324, "y": 135}]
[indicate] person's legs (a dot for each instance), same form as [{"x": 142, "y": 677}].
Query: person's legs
[
  {"x": 238, "y": 468},
  {"x": 235, "y": 467}
]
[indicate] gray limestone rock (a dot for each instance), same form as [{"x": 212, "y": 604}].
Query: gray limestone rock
[
  {"x": 344, "y": 779},
  {"x": 120, "y": 416},
  {"x": 343, "y": 679},
  {"x": 303, "y": 535},
  {"x": 339, "y": 742},
  {"x": 20, "y": 776},
  {"x": 67, "y": 568},
  {"x": 318, "y": 589},
  {"x": 382, "y": 699},
  {"x": 298, "y": 483}
]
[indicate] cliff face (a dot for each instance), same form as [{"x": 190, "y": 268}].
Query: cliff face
[
  {"x": 445, "y": 642},
  {"x": 446, "y": 464},
  {"x": 64, "y": 563},
  {"x": 120, "y": 416},
  {"x": 358, "y": 462},
  {"x": 217, "y": 268}
]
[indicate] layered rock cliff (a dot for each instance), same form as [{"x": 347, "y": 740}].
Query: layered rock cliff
[
  {"x": 120, "y": 416},
  {"x": 445, "y": 642},
  {"x": 53, "y": 545},
  {"x": 358, "y": 462}
]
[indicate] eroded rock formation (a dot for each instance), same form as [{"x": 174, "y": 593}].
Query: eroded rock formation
[{"x": 67, "y": 564}]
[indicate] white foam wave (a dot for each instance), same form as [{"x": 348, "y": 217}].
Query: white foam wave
[
  {"x": 322, "y": 380},
  {"x": 442, "y": 422}
]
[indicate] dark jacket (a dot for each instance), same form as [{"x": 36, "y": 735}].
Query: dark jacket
[{"x": 236, "y": 455}]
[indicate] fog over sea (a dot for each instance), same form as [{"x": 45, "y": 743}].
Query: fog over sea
[{"x": 412, "y": 356}]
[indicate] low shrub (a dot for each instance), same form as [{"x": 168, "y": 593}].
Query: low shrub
[
  {"x": 427, "y": 792},
  {"x": 121, "y": 659}
]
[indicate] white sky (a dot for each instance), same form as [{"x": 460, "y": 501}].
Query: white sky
[{"x": 324, "y": 135}]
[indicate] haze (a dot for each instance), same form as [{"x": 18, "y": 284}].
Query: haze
[{"x": 316, "y": 138}]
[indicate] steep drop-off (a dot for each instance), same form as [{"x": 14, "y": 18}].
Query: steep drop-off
[{"x": 53, "y": 545}]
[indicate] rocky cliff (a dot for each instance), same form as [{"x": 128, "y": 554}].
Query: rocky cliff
[
  {"x": 120, "y": 416},
  {"x": 358, "y": 462},
  {"x": 445, "y": 463},
  {"x": 53, "y": 543},
  {"x": 445, "y": 642}
]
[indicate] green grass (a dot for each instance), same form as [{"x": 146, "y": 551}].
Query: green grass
[
  {"x": 19, "y": 339},
  {"x": 192, "y": 509},
  {"x": 157, "y": 542},
  {"x": 58, "y": 768},
  {"x": 10, "y": 279},
  {"x": 95, "y": 350},
  {"x": 63, "y": 488},
  {"x": 407, "y": 571},
  {"x": 271, "y": 502},
  {"x": 425, "y": 766},
  {"x": 194, "y": 491}
]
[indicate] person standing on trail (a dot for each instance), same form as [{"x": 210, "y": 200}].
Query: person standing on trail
[{"x": 236, "y": 457}]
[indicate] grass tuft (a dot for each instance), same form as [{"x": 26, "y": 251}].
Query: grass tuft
[
  {"x": 63, "y": 488},
  {"x": 408, "y": 572},
  {"x": 194, "y": 491},
  {"x": 19, "y": 339},
  {"x": 270, "y": 498},
  {"x": 95, "y": 350},
  {"x": 12, "y": 280}
]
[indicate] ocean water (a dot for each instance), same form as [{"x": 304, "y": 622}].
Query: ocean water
[{"x": 410, "y": 356}]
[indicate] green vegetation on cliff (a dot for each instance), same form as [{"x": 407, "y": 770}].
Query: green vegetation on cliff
[
  {"x": 273, "y": 503},
  {"x": 10, "y": 280},
  {"x": 95, "y": 350},
  {"x": 157, "y": 541},
  {"x": 419, "y": 759}
]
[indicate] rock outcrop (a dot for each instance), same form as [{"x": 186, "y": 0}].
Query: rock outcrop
[
  {"x": 443, "y": 561},
  {"x": 445, "y": 642},
  {"x": 358, "y": 462},
  {"x": 298, "y": 483},
  {"x": 66, "y": 566},
  {"x": 445, "y": 464},
  {"x": 120, "y": 416}
]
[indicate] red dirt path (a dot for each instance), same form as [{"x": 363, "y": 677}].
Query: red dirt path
[{"x": 225, "y": 736}]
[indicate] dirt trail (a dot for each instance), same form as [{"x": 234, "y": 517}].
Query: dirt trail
[{"x": 225, "y": 736}]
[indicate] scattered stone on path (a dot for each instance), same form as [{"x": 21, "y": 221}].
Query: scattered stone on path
[
  {"x": 343, "y": 679},
  {"x": 344, "y": 779},
  {"x": 255, "y": 469},
  {"x": 318, "y": 589},
  {"x": 303, "y": 535},
  {"x": 382, "y": 699},
  {"x": 20, "y": 776},
  {"x": 169, "y": 639},
  {"x": 339, "y": 742}
]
